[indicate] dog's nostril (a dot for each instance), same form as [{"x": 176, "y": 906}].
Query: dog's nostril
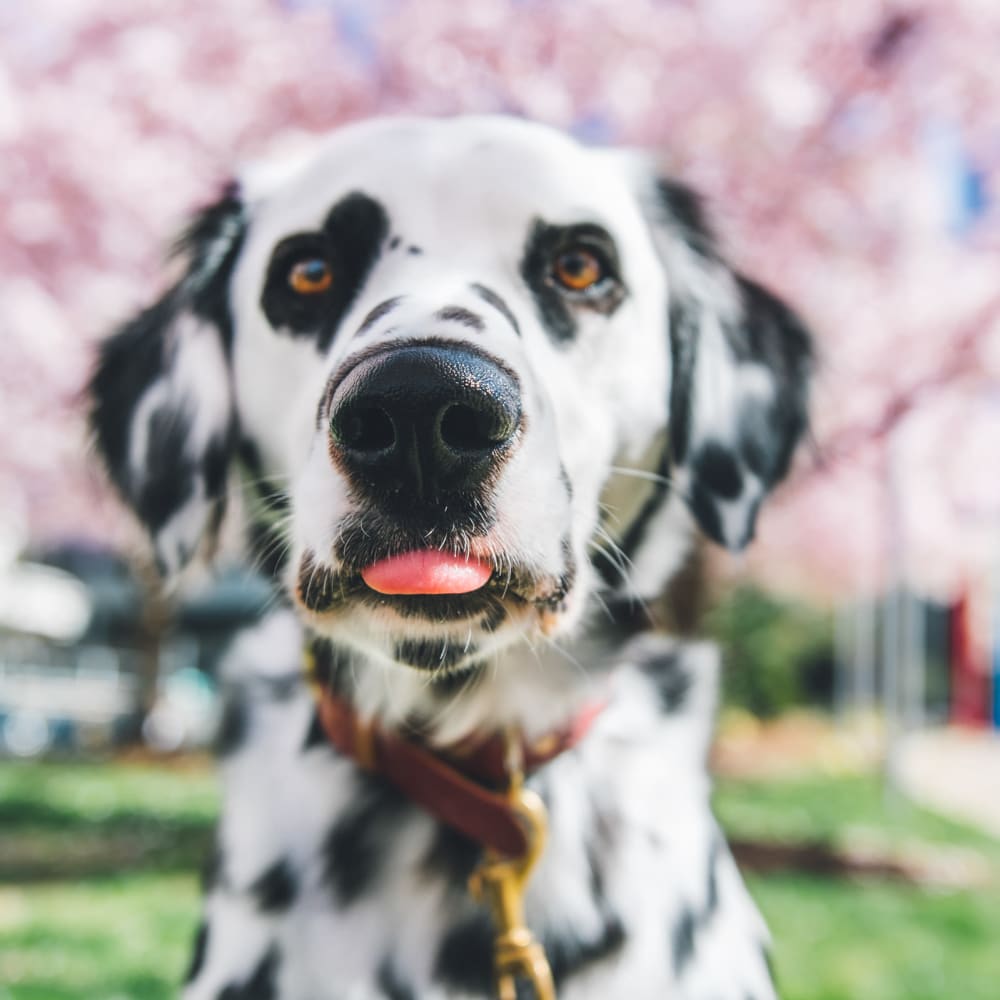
[
  {"x": 367, "y": 429},
  {"x": 466, "y": 428}
]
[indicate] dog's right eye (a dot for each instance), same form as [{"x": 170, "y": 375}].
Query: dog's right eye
[{"x": 311, "y": 276}]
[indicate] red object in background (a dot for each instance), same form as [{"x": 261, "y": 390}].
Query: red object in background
[{"x": 969, "y": 678}]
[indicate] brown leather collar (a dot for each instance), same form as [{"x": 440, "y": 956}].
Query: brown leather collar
[{"x": 465, "y": 788}]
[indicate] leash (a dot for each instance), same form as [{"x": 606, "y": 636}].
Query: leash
[
  {"x": 477, "y": 788},
  {"x": 501, "y": 883}
]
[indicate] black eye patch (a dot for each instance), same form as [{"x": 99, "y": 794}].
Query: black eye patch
[
  {"x": 350, "y": 243},
  {"x": 557, "y": 305}
]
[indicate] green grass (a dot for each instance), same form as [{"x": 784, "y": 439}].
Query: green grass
[
  {"x": 98, "y": 891},
  {"x": 98, "y": 900},
  {"x": 835, "y": 810},
  {"x": 836, "y": 939},
  {"x": 99, "y": 939}
]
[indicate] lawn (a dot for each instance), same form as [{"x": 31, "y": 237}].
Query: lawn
[{"x": 98, "y": 900}]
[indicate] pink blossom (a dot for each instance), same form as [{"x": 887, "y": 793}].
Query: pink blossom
[{"x": 835, "y": 143}]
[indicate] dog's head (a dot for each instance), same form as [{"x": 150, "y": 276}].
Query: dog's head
[{"x": 474, "y": 374}]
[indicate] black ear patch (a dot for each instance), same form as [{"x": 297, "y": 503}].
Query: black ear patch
[
  {"x": 161, "y": 400},
  {"x": 741, "y": 362},
  {"x": 739, "y": 399}
]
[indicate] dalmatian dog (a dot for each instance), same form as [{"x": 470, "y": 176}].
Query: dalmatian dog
[{"x": 479, "y": 388}]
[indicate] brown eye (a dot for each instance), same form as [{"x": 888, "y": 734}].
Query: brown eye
[
  {"x": 310, "y": 276},
  {"x": 578, "y": 269}
]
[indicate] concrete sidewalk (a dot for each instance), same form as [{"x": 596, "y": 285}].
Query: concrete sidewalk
[{"x": 955, "y": 772}]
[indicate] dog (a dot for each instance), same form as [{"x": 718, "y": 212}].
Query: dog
[{"x": 480, "y": 387}]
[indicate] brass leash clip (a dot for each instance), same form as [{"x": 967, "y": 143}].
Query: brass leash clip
[{"x": 500, "y": 883}]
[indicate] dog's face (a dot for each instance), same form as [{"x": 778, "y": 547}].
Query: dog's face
[{"x": 475, "y": 375}]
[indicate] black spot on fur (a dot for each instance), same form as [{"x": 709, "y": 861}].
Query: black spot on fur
[
  {"x": 128, "y": 364},
  {"x": 198, "y": 953},
  {"x": 268, "y": 548},
  {"x": 381, "y": 310},
  {"x": 268, "y": 516},
  {"x": 771, "y": 334},
  {"x": 390, "y": 983},
  {"x": 280, "y": 687},
  {"x": 262, "y": 983},
  {"x": 451, "y": 684},
  {"x": 331, "y": 666},
  {"x": 214, "y": 466},
  {"x": 498, "y": 303},
  {"x": 315, "y": 734},
  {"x": 464, "y": 960},
  {"x": 555, "y": 598},
  {"x": 684, "y": 207},
  {"x": 441, "y": 609},
  {"x": 683, "y": 325},
  {"x": 350, "y": 241},
  {"x": 275, "y": 889},
  {"x": 414, "y": 251},
  {"x": 452, "y": 856},
  {"x": 211, "y": 243},
  {"x": 613, "y": 565},
  {"x": 464, "y": 317},
  {"x": 233, "y": 726},
  {"x": 601, "y": 846},
  {"x": 394, "y": 243},
  {"x": 362, "y": 837},
  {"x": 717, "y": 470},
  {"x": 683, "y": 939},
  {"x": 495, "y": 616},
  {"x": 690, "y": 922},
  {"x": 317, "y": 584},
  {"x": 432, "y": 654},
  {"x": 673, "y": 682},
  {"x": 566, "y": 481},
  {"x": 169, "y": 480},
  {"x": 704, "y": 508},
  {"x": 569, "y": 955},
  {"x": 712, "y": 888}
]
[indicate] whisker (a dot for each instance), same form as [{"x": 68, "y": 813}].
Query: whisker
[{"x": 651, "y": 477}]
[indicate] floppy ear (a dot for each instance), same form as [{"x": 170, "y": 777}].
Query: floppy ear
[
  {"x": 741, "y": 364},
  {"x": 161, "y": 396}
]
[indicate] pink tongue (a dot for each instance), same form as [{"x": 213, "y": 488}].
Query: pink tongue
[{"x": 427, "y": 572}]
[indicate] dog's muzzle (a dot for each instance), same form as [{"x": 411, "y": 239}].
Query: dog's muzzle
[{"x": 424, "y": 421}]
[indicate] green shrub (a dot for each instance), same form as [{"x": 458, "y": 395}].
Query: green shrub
[{"x": 776, "y": 654}]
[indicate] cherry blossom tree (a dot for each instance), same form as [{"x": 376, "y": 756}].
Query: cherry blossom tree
[{"x": 848, "y": 150}]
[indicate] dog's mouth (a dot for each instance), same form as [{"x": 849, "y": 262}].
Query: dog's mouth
[
  {"x": 439, "y": 587},
  {"x": 434, "y": 597}
]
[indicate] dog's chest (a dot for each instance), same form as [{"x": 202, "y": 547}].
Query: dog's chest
[{"x": 328, "y": 883}]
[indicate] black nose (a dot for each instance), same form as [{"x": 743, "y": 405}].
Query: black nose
[{"x": 426, "y": 419}]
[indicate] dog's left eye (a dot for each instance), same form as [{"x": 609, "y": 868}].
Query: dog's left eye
[
  {"x": 578, "y": 269},
  {"x": 310, "y": 276}
]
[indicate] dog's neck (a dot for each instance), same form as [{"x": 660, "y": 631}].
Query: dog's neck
[{"x": 533, "y": 689}]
